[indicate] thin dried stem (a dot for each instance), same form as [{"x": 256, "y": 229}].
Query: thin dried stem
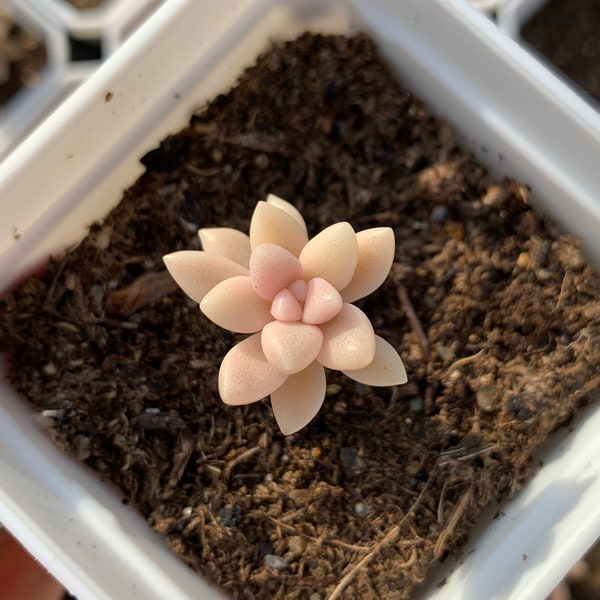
[
  {"x": 390, "y": 538},
  {"x": 239, "y": 459},
  {"x": 453, "y": 521},
  {"x": 414, "y": 321}
]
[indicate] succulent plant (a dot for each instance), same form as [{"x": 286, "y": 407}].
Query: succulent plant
[{"x": 294, "y": 296}]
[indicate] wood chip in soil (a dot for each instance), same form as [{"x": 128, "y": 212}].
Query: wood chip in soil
[{"x": 492, "y": 308}]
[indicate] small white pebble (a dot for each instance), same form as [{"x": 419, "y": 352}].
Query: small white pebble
[
  {"x": 49, "y": 369},
  {"x": 52, "y": 413},
  {"x": 361, "y": 509},
  {"x": 276, "y": 562}
]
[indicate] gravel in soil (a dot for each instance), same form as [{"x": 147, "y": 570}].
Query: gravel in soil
[{"x": 493, "y": 309}]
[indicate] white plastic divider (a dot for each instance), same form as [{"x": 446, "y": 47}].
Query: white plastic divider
[
  {"x": 73, "y": 168},
  {"x": 487, "y": 7},
  {"x": 513, "y": 13},
  {"x": 55, "y": 22}
]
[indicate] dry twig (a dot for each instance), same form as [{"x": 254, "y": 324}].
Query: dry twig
[
  {"x": 414, "y": 320},
  {"x": 453, "y": 521},
  {"x": 390, "y": 538}
]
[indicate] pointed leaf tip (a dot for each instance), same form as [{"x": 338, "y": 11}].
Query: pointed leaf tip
[
  {"x": 386, "y": 369},
  {"x": 376, "y": 249},
  {"x": 197, "y": 272},
  {"x": 273, "y": 225},
  {"x": 288, "y": 208},
  {"x": 226, "y": 242},
  {"x": 331, "y": 255},
  {"x": 299, "y": 399}
]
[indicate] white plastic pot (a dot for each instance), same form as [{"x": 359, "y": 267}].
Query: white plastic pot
[
  {"x": 514, "y": 13},
  {"x": 513, "y": 113},
  {"x": 61, "y": 27}
]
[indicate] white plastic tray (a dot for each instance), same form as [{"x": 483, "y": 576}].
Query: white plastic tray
[
  {"x": 73, "y": 169},
  {"x": 55, "y": 21}
]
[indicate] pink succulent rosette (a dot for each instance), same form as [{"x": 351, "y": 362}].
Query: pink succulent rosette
[{"x": 294, "y": 295}]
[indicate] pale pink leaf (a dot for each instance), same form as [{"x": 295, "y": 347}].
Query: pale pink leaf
[
  {"x": 348, "y": 340},
  {"x": 331, "y": 255},
  {"x": 287, "y": 207},
  {"x": 197, "y": 272},
  {"x": 272, "y": 269},
  {"x": 291, "y": 347},
  {"x": 234, "y": 305},
  {"x": 299, "y": 288},
  {"x": 272, "y": 225},
  {"x": 285, "y": 306},
  {"x": 299, "y": 399},
  {"x": 376, "y": 249},
  {"x": 323, "y": 302},
  {"x": 227, "y": 242},
  {"x": 386, "y": 368},
  {"x": 245, "y": 375}
]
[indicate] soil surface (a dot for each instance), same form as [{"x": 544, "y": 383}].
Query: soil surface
[
  {"x": 492, "y": 308},
  {"x": 567, "y": 33}
]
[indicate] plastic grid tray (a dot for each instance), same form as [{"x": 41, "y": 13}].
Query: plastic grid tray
[{"x": 76, "y": 41}]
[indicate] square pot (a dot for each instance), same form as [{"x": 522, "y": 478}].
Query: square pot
[{"x": 72, "y": 171}]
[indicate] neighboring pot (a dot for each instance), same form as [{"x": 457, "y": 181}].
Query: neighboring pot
[{"x": 76, "y": 42}]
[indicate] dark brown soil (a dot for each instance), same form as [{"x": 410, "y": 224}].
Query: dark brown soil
[
  {"x": 22, "y": 56},
  {"x": 567, "y": 33},
  {"x": 384, "y": 481},
  {"x": 85, "y": 4}
]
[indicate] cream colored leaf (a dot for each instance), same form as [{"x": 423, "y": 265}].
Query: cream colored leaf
[
  {"x": 288, "y": 208},
  {"x": 227, "y": 242},
  {"x": 245, "y": 375},
  {"x": 332, "y": 255},
  {"x": 299, "y": 399},
  {"x": 376, "y": 249},
  {"x": 348, "y": 340},
  {"x": 197, "y": 272},
  {"x": 386, "y": 368},
  {"x": 234, "y": 305},
  {"x": 272, "y": 225},
  {"x": 291, "y": 347}
]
